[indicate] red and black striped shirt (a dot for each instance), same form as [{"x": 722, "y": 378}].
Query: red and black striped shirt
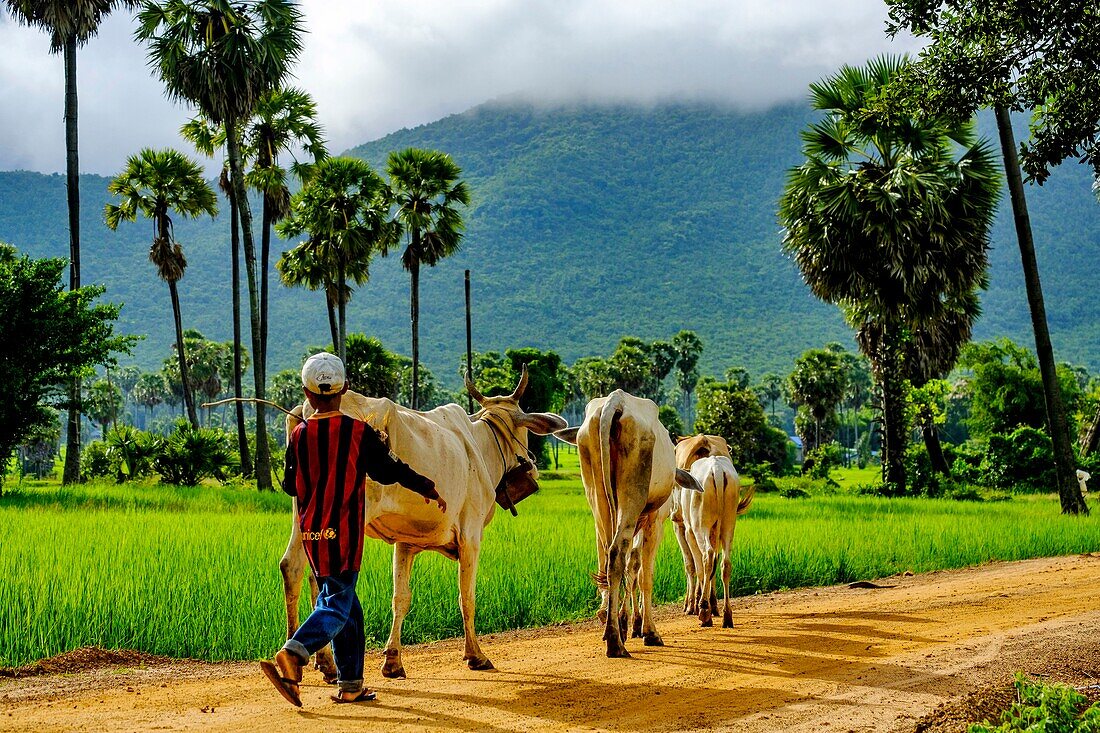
[{"x": 328, "y": 457}]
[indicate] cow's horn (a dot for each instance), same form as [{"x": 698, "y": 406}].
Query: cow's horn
[
  {"x": 521, "y": 386},
  {"x": 471, "y": 388}
]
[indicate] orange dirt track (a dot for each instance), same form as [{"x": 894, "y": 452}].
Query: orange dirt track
[{"x": 827, "y": 659}]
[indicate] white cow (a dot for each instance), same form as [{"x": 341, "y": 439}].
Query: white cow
[
  {"x": 628, "y": 466},
  {"x": 710, "y": 519},
  {"x": 467, "y": 456}
]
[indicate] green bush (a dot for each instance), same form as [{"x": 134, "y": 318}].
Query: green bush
[
  {"x": 1057, "y": 708},
  {"x": 189, "y": 455},
  {"x": 96, "y": 461},
  {"x": 1022, "y": 458},
  {"x": 130, "y": 451},
  {"x": 794, "y": 492}
]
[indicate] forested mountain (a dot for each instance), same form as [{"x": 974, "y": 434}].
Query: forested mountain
[{"x": 587, "y": 223}]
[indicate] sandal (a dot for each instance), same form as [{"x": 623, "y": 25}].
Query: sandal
[
  {"x": 364, "y": 696},
  {"x": 287, "y": 687}
]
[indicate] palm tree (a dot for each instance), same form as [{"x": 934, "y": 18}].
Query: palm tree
[
  {"x": 425, "y": 190},
  {"x": 222, "y": 57},
  {"x": 303, "y": 267},
  {"x": 342, "y": 208},
  {"x": 208, "y": 138},
  {"x": 149, "y": 391},
  {"x": 154, "y": 184},
  {"x": 285, "y": 119},
  {"x": 71, "y": 24},
  {"x": 885, "y": 220}
]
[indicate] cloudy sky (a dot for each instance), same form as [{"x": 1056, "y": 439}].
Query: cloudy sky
[{"x": 378, "y": 66}]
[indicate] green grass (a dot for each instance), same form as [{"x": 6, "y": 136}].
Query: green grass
[{"x": 194, "y": 573}]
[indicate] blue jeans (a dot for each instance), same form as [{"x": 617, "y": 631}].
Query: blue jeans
[{"x": 337, "y": 618}]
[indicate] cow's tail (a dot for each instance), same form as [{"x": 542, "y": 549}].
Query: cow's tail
[
  {"x": 612, "y": 409},
  {"x": 746, "y": 497}
]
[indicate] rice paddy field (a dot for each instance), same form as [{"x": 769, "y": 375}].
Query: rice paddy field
[{"x": 194, "y": 572}]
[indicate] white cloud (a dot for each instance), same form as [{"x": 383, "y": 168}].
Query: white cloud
[{"x": 375, "y": 67}]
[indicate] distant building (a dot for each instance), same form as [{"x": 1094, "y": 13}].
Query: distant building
[{"x": 799, "y": 449}]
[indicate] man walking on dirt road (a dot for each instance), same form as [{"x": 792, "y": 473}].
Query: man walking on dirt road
[{"x": 327, "y": 459}]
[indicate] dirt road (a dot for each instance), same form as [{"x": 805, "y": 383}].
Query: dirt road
[{"x": 833, "y": 659}]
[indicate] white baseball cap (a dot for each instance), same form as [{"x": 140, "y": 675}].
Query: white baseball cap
[{"x": 323, "y": 374}]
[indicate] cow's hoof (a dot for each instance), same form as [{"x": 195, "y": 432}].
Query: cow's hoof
[
  {"x": 480, "y": 664},
  {"x": 727, "y": 621},
  {"x": 706, "y": 620},
  {"x": 392, "y": 668},
  {"x": 617, "y": 653},
  {"x": 653, "y": 639},
  {"x": 636, "y": 632}
]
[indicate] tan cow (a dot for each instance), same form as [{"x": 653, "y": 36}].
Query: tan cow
[
  {"x": 628, "y": 466},
  {"x": 710, "y": 519},
  {"x": 467, "y": 456},
  {"x": 689, "y": 450}
]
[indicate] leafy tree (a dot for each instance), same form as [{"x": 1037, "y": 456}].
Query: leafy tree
[
  {"x": 303, "y": 267},
  {"x": 222, "y": 56},
  {"x": 738, "y": 376},
  {"x": 546, "y": 387},
  {"x": 286, "y": 389},
  {"x": 342, "y": 210},
  {"x": 689, "y": 347},
  {"x": 425, "y": 192},
  {"x": 1004, "y": 388},
  {"x": 103, "y": 403},
  {"x": 47, "y": 334},
  {"x": 431, "y": 394},
  {"x": 154, "y": 184},
  {"x": 734, "y": 413},
  {"x": 372, "y": 369},
  {"x": 817, "y": 386},
  {"x": 671, "y": 420},
  {"x": 71, "y": 24},
  {"x": 1016, "y": 56},
  {"x": 770, "y": 390},
  {"x": 594, "y": 377},
  {"x": 887, "y": 221},
  {"x": 150, "y": 390}
]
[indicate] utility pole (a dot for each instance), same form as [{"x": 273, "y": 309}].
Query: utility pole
[{"x": 469, "y": 344}]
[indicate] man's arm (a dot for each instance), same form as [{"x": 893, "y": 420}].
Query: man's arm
[{"x": 384, "y": 467}]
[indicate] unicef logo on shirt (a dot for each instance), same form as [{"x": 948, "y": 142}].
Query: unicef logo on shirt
[{"x": 326, "y": 534}]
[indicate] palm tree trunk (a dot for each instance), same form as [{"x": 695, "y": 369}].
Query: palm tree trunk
[
  {"x": 71, "y": 473},
  {"x": 1068, "y": 490},
  {"x": 185, "y": 377},
  {"x": 415, "y": 318},
  {"x": 334, "y": 330},
  {"x": 1092, "y": 435},
  {"x": 342, "y": 305},
  {"x": 894, "y": 432},
  {"x": 265, "y": 256},
  {"x": 235, "y": 239},
  {"x": 932, "y": 443},
  {"x": 263, "y": 452}
]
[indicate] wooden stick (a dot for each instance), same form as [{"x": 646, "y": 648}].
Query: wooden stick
[{"x": 251, "y": 399}]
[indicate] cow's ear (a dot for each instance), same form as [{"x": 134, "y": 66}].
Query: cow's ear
[
  {"x": 568, "y": 435},
  {"x": 686, "y": 480},
  {"x": 541, "y": 423}
]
